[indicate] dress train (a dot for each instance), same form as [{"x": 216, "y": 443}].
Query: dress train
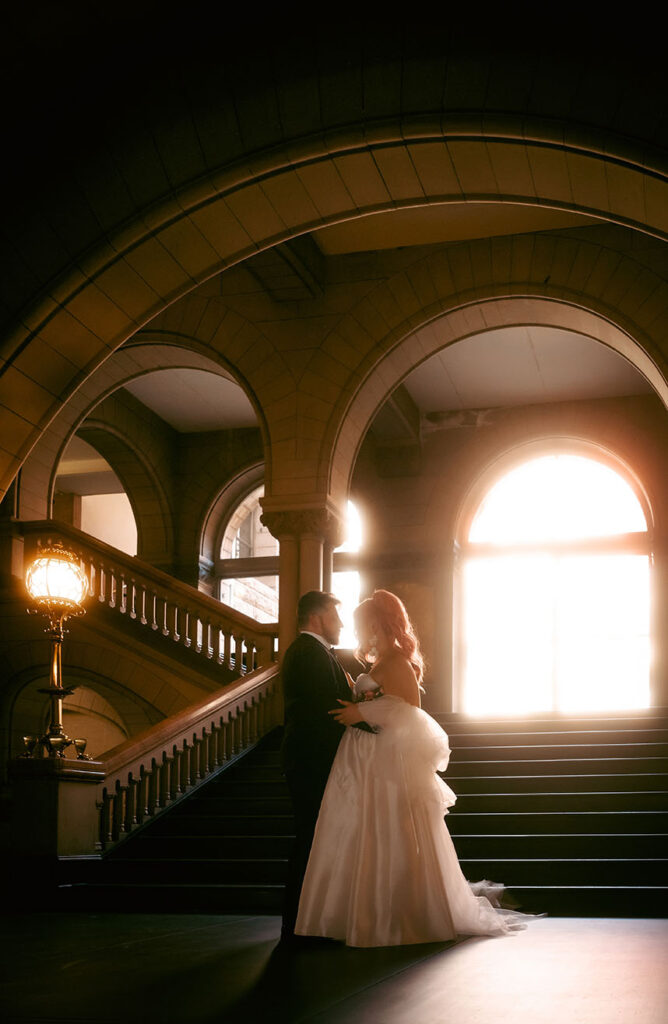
[{"x": 383, "y": 870}]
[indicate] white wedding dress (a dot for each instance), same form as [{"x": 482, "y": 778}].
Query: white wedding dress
[{"x": 383, "y": 869}]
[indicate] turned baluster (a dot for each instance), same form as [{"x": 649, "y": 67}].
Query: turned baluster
[
  {"x": 227, "y": 649},
  {"x": 175, "y": 623},
  {"x": 117, "y": 812},
  {"x": 133, "y": 598},
  {"x": 186, "y": 620},
  {"x": 153, "y": 787},
  {"x": 220, "y": 645},
  {"x": 221, "y": 741},
  {"x": 184, "y": 774},
  {"x": 214, "y": 760},
  {"x": 153, "y": 610},
  {"x": 163, "y": 775},
  {"x": 174, "y": 774},
  {"x": 203, "y": 760},
  {"x": 260, "y": 714},
  {"x": 129, "y": 818},
  {"x": 247, "y": 724},
  {"x": 254, "y": 721},
  {"x": 142, "y": 604},
  {"x": 208, "y": 647},
  {"x": 106, "y": 820},
  {"x": 143, "y": 796},
  {"x": 163, "y": 612},
  {"x": 94, "y": 580}
]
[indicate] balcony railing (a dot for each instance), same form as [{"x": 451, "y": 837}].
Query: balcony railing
[{"x": 161, "y": 605}]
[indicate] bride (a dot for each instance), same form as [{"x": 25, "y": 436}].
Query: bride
[{"x": 383, "y": 870}]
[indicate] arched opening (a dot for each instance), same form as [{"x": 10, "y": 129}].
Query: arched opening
[
  {"x": 90, "y": 496},
  {"x": 247, "y": 570},
  {"x": 555, "y": 590}
]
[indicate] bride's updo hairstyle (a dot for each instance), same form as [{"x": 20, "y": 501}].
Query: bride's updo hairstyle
[{"x": 388, "y": 612}]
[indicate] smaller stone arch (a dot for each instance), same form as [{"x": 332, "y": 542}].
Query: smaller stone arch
[
  {"x": 95, "y": 696},
  {"x": 150, "y": 501},
  {"x": 218, "y": 515}
]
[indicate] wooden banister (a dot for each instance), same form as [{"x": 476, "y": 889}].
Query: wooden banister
[{"x": 150, "y": 598}]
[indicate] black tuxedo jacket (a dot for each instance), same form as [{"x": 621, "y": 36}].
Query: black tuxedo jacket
[{"x": 312, "y": 682}]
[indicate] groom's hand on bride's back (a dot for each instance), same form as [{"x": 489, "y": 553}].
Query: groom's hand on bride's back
[{"x": 348, "y": 714}]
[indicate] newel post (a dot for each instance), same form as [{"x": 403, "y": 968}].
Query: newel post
[{"x": 54, "y": 810}]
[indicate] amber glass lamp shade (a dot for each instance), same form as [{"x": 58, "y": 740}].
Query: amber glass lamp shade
[{"x": 56, "y": 582}]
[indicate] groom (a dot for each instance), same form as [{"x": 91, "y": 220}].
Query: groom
[{"x": 313, "y": 680}]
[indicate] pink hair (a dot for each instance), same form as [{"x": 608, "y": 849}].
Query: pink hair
[{"x": 393, "y": 619}]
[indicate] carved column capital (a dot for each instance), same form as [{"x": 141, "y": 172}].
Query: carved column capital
[{"x": 322, "y": 523}]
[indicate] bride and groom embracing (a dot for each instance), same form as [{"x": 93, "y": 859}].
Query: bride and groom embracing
[{"x": 373, "y": 863}]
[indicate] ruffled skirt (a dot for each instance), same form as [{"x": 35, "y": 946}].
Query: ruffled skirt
[{"x": 383, "y": 870}]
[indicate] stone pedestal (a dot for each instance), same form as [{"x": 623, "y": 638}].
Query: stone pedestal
[{"x": 53, "y": 807}]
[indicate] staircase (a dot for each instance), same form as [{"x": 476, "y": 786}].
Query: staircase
[{"x": 572, "y": 814}]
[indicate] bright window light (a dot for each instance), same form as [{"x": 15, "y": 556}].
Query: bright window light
[
  {"x": 556, "y": 630},
  {"x": 557, "y": 497},
  {"x": 346, "y": 585}
]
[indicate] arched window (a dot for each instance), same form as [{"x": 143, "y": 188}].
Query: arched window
[
  {"x": 555, "y": 592},
  {"x": 248, "y": 568}
]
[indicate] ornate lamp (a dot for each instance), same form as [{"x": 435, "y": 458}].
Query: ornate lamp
[{"x": 58, "y": 587}]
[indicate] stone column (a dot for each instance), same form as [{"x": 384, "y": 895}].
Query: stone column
[{"x": 304, "y": 536}]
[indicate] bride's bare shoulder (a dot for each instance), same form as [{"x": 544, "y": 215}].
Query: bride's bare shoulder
[{"x": 398, "y": 678}]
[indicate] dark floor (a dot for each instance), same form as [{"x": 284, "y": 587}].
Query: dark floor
[{"x": 107, "y": 968}]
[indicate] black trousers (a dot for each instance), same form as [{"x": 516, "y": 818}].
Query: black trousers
[{"x": 306, "y": 790}]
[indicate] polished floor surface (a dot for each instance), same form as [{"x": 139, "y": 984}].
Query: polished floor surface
[{"x": 107, "y": 968}]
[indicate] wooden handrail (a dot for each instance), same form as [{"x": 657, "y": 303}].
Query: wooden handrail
[
  {"x": 151, "y": 771},
  {"x": 147, "y": 742}
]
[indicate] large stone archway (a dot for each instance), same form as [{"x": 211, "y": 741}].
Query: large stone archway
[{"x": 127, "y": 279}]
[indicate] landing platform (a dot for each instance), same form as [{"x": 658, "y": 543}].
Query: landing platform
[{"x": 103, "y": 968}]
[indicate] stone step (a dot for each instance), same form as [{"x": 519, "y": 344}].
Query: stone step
[
  {"x": 273, "y": 871},
  {"x": 560, "y": 751},
  {"x": 476, "y": 802},
  {"x": 586, "y": 845},
  {"x": 592, "y": 901},
  {"x": 555, "y": 783},
  {"x": 560, "y": 766},
  {"x": 561, "y": 823},
  {"x": 562, "y": 737},
  {"x": 511, "y": 872},
  {"x": 205, "y": 847},
  {"x": 163, "y": 898},
  {"x": 559, "y": 900},
  {"x": 655, "y": 718}
]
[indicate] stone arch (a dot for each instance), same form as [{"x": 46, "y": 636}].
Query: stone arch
[
  {"x": 25, "y": 709},
  {"x": 150, "y": 502},
  {"x": 149, "y": 351},
  {"x": 223, "y": 505},
  {"x": 413, "y": 315},
  {"x": 335, "y": 174}
]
